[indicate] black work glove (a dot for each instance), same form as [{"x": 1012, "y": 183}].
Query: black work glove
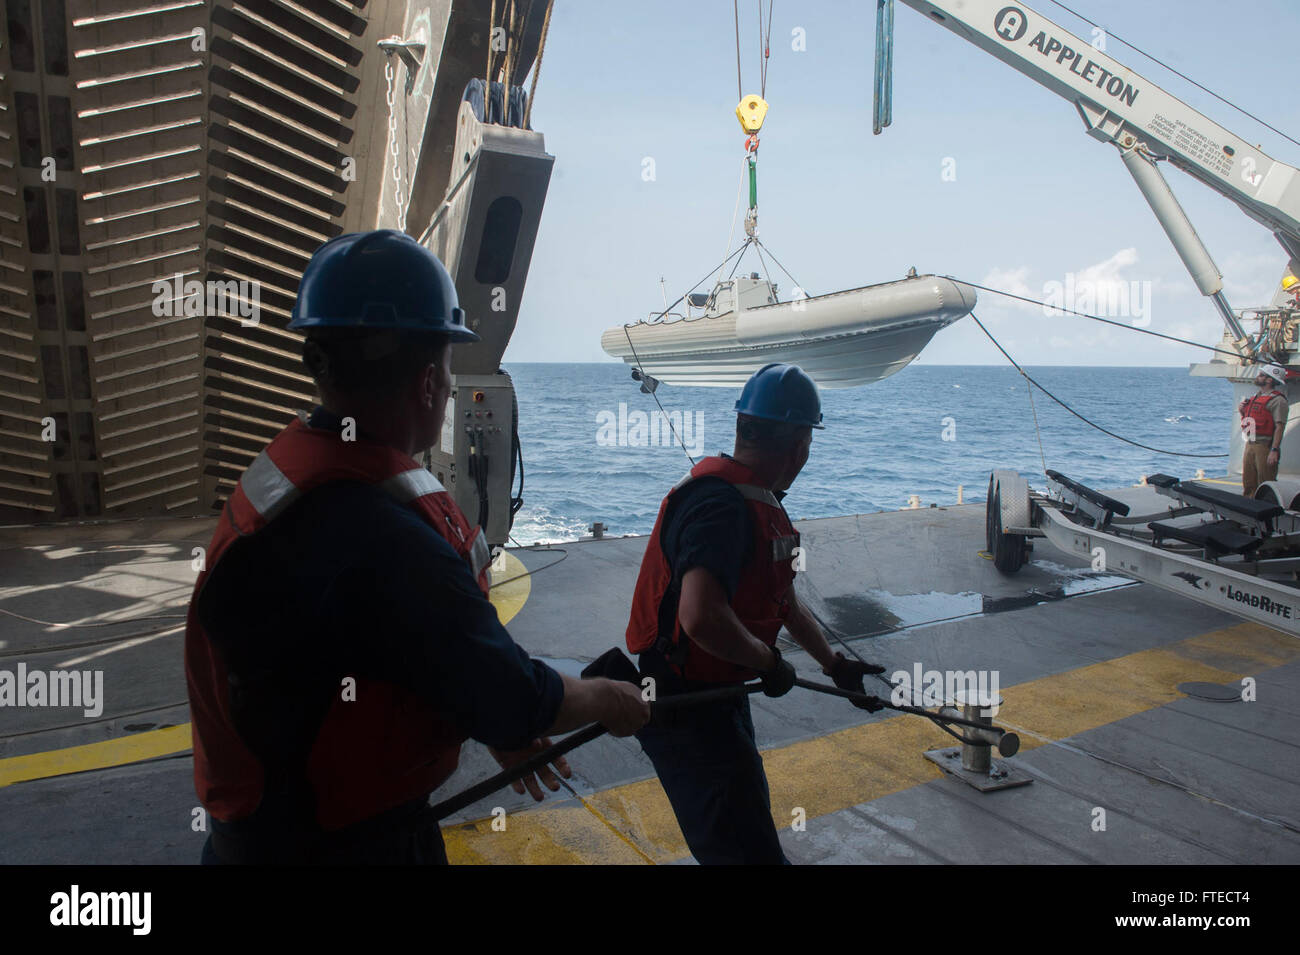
[
  {"x": 847, "y": 675},
  {"x": 779, "y": 680}
]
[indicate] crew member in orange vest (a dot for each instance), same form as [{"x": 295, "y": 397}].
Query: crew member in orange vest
[
  {"x": 714, "y": 591},
  {"x": 1263, "y": 421},
  {"x": 340, "y": 645}
]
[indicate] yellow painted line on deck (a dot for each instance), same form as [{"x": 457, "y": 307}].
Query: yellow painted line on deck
[
  {"x": 509, "y": 598},
  {"x": 634, "y": 823},
  {"x": 563, "y": 834},
  {"x": 112, "y": 752},
  {"x": 863, "y": 763}
]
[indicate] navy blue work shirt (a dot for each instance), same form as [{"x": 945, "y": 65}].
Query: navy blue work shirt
[{"x": 348, "y": 580}]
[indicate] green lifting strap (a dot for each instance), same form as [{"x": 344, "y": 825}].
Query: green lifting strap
[{"x": 753, "y": 183}]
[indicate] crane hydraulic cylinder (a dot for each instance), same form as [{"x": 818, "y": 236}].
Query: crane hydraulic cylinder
[{"x": 1181, "y": 232}]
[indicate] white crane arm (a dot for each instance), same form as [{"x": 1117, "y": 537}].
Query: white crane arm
[{"x": 1120, "y": 106}]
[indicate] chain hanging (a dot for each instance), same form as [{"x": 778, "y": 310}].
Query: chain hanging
[{"x": 393, "y": 149}]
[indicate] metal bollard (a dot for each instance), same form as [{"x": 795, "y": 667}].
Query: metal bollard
[{"x": 976, "y": 752}]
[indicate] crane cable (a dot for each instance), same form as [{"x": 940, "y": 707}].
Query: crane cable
[
  {"x": 735, "y": 9},
  {"x": 1028, "y": 377},
  {"x": 637, "y": 358},
  {"x": 1042, "y": 455},
  {"x": 1095, "y": 318},
  {"x": 537, "y": 62},
  {"x": 764, "y": 46},
  {"x": 735, "y": 213}
]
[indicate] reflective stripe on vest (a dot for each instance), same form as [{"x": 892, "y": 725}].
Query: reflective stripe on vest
[
  {"x": 386, "y": 746},
  {"x": 411, "y": 484},
  {"x": 267, "y": 488},
  {"x": 480, "y": 555},
  {"x": 750, "y": 492},
  {"x": 270, "y": 492},
  {"x": 782, "y": 547},
  {"x": 418, "y": 482}
]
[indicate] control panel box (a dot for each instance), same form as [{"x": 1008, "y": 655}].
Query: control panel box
[{"x": 474, "y": 458}]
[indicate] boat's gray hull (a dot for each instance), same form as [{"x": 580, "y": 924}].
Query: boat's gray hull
[{"x": 841, "y": 339}]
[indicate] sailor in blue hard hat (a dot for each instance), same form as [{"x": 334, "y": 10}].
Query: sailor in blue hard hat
[
  {"x": 340, "y": 645},
  {"x": 714, "y": 591},
  {"x": 374, "y": 305}
]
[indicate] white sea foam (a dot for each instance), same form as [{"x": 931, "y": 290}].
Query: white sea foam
[{"x": 536, "y": 525}]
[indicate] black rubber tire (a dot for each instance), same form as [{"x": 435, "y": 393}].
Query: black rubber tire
[
  {"x": 1008, "y": 550},
  {"x": 988, "y": 518}
]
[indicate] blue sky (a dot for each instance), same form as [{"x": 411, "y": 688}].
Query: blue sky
[{"x": 1033, "y": 198}]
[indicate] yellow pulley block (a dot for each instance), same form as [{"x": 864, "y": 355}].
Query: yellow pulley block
[{"x": 750, "y": 112}]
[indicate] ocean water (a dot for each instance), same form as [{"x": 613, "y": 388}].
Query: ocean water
[{"x": 924, "y": 431}]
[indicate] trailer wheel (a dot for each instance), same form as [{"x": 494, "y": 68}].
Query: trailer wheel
[
  {"x": 1009, "y": 550},
  {"x": 988, "y": 518}
]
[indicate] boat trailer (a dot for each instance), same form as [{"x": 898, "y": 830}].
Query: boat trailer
[{"x": 1235, "y": 553}]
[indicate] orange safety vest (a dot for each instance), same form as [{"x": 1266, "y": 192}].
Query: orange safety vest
[
  {"x": 761, "y": 600},
  {"x": 385, "y": 747},
  {"x": 1255, "y": 408}
]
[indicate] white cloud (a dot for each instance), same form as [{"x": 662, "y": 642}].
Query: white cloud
[
  {"x": 1251, "y": 279},
  {"x": 1113, "y": 288},
  {"x": 1015, "y": 281},
  {"x": 1110, "y": 268}
]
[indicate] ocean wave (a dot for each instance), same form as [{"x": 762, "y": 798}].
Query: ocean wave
[{"x": 882, "y": 443}]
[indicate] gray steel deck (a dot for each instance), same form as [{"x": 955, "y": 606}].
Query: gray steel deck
[{"x": 1088, "y": 665}]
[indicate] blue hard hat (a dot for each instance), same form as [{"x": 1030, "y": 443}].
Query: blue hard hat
[
  {"x": 782, "y": 393},
  {"x": 381, "y": 280}
]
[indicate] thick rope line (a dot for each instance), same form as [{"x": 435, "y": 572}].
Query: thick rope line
[
  {"x": 637, "y": 358},
  {"x": 1095, "y": 318},
  {"x": 784, "y": 269},
  {"x": 1037, "y": 430},
  {"x": 655, "y": 396},
  {"x": 1092, "y": 424}
]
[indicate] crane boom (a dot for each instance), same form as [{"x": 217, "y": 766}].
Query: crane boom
[{"x": 1124, "y": 108}]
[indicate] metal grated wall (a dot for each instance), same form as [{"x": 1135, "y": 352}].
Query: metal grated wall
[{"x": 161, "y": 141}]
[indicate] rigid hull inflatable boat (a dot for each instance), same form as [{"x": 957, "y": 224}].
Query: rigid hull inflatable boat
[{"x": 841, "y": 339}]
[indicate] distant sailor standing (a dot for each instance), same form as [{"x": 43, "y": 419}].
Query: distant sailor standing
[{"x": 1263, "y": 422}]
